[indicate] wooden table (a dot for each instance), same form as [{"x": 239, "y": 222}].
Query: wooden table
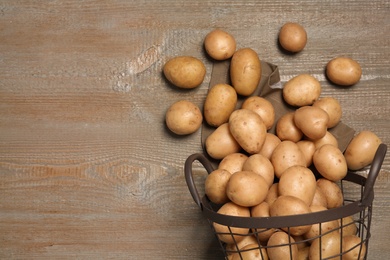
[{"x": 88, "y": 169}]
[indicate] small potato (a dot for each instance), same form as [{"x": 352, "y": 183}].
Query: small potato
[
  {"x": 285, "y": 155},
  {"x": 215, "y": 186},
  {"x": 301, "y": 243},
  {"x": 248, "y": 129},
  {"x": 292, "y": 37},
  {"x": 348, "y": 226},
  {"x": 251, "y": 252},
  {"x": 301, "y": 90},
  {"x": 328, "y": 138},
  {"x": 360, "y": 152},
  {"x": 343, "y": 71},
  {"x": 303, "y": 253},
  {"x": 331, "y": 106},
  {"x": 325, "y": 247},
  {"x": 319, "y": 229},
  {"x": 262, "y": 107},
  {"x": 282, "y": 246},
  {"x": 247, "y": 240},
  {"x": 246, "y": 188},
  {"x": 308, "y": 148},
  {"x": 319, "y": 198},
  {"x": 261, "y": 165},
  {"x": 220, "y": 143},
  {"x": 286, "y": 128},
  {"x": 332, "y": 191},
  {"x": 185, "y": 71},
  {"x": 273, "y": 194},
  {"x": 219, "y": 44},
  {"x": 271, "y": 141},
  {"x": 354, "y": 248},
  {"x": 233, "y": 162},
  {"x": 245, "y": 71},
  {"x": 312, "y": 121},
  {"x": 330, "y": 162},
  {"x": 183, "y": 117},
  {"x": 220, "y": 102},
  {"x": 237, "y": 234},
  {"x": 262, "y": 211}
]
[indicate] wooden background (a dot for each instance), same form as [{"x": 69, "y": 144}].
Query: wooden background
[{"x": 88, "y": 169}]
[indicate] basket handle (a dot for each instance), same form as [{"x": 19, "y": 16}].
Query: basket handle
[
  {"x": 189, "y": 177},
  {"x": 373, "y": 173}
]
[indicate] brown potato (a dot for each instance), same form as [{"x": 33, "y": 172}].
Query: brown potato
[
  {"x": 331, "y": 106},
  {"x": 328, "y": 138},
  {"x": 261, "y": 165},
  {"x": 354, "y": 248},
  {"x": 245, "y": 71},
  {"x": 247, "y": 240},
  {"x": 292, "y": 37},
  {"x": 271, "y": 141},
  {"x": 183, "y": 117},
  {"x": 220, "y": 143},
  {"x": 262, "y": 210},
  {"x": 308, "y": 148},
  {"x": 303, "y": 253},
  {"x": 273, "y": 194},
  {"x": 281, "y": 246},
  {"x": 322, "y": 228},
  {"x": 325, "y": 247},
  {"x": 233, "y": 162},
  {"x": 185, "y": 71},
  {"x": 330, "y": 162},
  {"x": 343, "y": 71},
  {"x": 319, "y": 198},
  {"x": 220, "y": 102},
  {"x": 332, "y": 191},
  {"x": 215, "y": 186},
  {"x": 312, "y": 121},
  {"x": 262, "y": 107},
  {"x": 301, "y": 90},
  {"x": 286, "y": 128},
  {"x": 251, "y": 252},
  {"x": 348, "y": 226},
  {"x": 219, "y": 44},
  {"x": 285, "y": 155}
]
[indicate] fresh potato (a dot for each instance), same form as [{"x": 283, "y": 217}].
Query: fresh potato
[
  {"x": 285, "y": 155},
  {"x": 185, "y": 71},
  {"x": 220, "y": 102},
  {"x": 246, "y": 188},
  {"x": 312, "y": 121},
  {"x": 331, "y": 106},
  {"x": 292, "y": 37},
  {"x": 262, "y": 107},
  {"x": 248, "y": 129},
  {"x": 183, "y": 117},
  {"x": 215, "y": 186},
  {"x": 233, "y": 162},
  {"x": 328, "y": 138},
  {"x": 273, "y": 194},
  {"x": 301, "y": 90},
  {"x": 343, "y": 71},
  {"x": 348, "y": 226},
  {"x": 330, "y": 162},
  {"x": 271, "y": 141},
  {"x": 360, "y": 152},
  {"x": 247, "y": 240},
  {"x": 286, "y": 128},
  {"x": 261, "y": 165},
  {"x": 262, "y": 210},
  {"x": 319, "y": 198},
  {"x": 354, "y": 248},
  {"x": 325, "y": 247},
  {"x": 251, "y": 252},
  {"x": 300, "y": 241},
  {"x": 307, "y": 147},
  {"x": 219, "y": 44},
  {"x": 220, "y": 143},
  {"x": 322, "y": 228},
  {"x": 303, "y": 253},
  {"x": 332, "y": 191},
  {"x": 281, "y": 246},
  {"x": 245, "y": 71}
]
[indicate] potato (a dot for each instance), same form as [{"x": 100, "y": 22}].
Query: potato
[
  {"x": 307, "y": 147},
  {"x": 246, "y": 188},
  {"x": 330, "y": 162},
  {"x": 262, "y": 107},
  {"x": 233, "y": 162},
  {"x": 322, "y": 228},
  {"x": 281, "y": 246},
  {"x": 354, "y": 248},
  {"x": 303, "y": 253},
  {"x": 183, "y": 117},
  {"x": 248, "y": 129},
  {"x": 261, "y": 165},
  {"x": 237, "y": 234},
  {"x": 215, "y": 186},
  {"x": 332, "y": 107},
  {"x": 292, "y": 37},
  {"x": 220, "y": 143},
  {"x": 325, "y": 247},
  {"x": 298, "y": 181},
  {"x": 328, "y": 138},
  {"x": 245, "y": 71},
  {"x": 247, "y": 240},
  {"x": 251, "y": 252},
  {"x": 285, "y": 155},
  {"x": 360, "y": 152},
  {"x": 332, "y": 191},
  {"x": 262, "y": 210},
  {"x": 312, "y": 121},
  {"x": 348, "y": 226},
  {"x": 286, "y": 205},
  {"x": 220, "y": 102},
  {"x": 300, "y": 241},
  {"x": 271, "y": 141},
  {"x": 319, "y": 198},
  {"x": 343, "y": 71},
  {"x": 185, "y": 71},
  {"x": 219, "y": 44},
  {"x": 301, "y": 90},
  {"x": 286, "y": 128}
]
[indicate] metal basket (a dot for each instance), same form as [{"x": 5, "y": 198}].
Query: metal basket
[{"x": 358, "y": 198}]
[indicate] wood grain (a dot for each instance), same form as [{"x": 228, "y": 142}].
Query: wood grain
[{"x": 88, "y": 169}]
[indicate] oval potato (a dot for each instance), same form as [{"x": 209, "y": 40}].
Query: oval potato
[
  {"x": 219, "y": 44},
  {"x": 312, "y": 121},
  {"x": 261, "y": 165},
  {"x": 262, "y": 107},
  {"x": 285, "y": 155},
  {"x": 286, "y": 128},
  {"x": 301, "y": 90},
  {"x": 331, "y": 106},
  {"x": 233, "y": 162},
  {"x": 343, "y": 71},
  {"x": 183, "y": 117},
  {"x": 278, "y": 246},
  {"x": 330, "y": 162},
  {"x": 220, "y": 143},
  {"x": 292, "y": 37},
  {"x": 270, "y": 143},
  {"x": 215, "y": 186}
]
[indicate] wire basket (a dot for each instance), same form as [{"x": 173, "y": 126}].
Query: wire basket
[{"x": 358, "y": 198}]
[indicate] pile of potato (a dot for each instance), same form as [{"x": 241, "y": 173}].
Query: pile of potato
[{"x": 264, "y": 174}]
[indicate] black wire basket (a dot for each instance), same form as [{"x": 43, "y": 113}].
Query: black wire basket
[{"x": 358, "y": 192}]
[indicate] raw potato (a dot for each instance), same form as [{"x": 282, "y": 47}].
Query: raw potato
[
  {"x": 319, "y": 198},
  {"x": 307, "y": 147},
  {"x": 271, "y": 141},
  {"x": 330, "y": 162},
  {"x": 332, "y": 107},
  {"x": 361, "y": 150},
  {"x": 357, "y": 247},
  {"x": 328, "y": 138},
  {"x": 220, "y": 143},
  {"x": 231, "y": 209},
  {"x": 262, "y": 107},
  {"x": 303, "y": 254},
  {"x": 215, "y": 186},
  {"x": 185, "y": 71},
  {"x": 343, "y": 71},
  {"x": 245, "y": 71},
  {"x": 286, "y": 128},
  {"x": 281, "y": 246},
  {"x": 248, "y": 129},
  {"x": 219, "y": 44},
  {"x": 247, "y": 188},
  {"x": 251, "y": 252},
  {"x": 332, "y": 192},
  {"x": 261, "y": 165},
  {"x": 273, "y": 194},
  {"x": 312, "y": 121},
  {"x": 292, "y": 37},
  {"x": 262, "y": 211},
  {"x": 220, "y": 102},
  {"x": 348, "y": 226},
  {"x": 322, "y": 228},
  {"x": 285, "y": 155},
  {"x": 301, "y": 90},
  {"x": 233, "y": 162},
  {"x": 247, "y": 240},
  {"x": 183, "y": 117},
  {"x": 330, "y": 245}
]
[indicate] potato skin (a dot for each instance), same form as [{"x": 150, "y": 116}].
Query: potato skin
[
  {"x": 301, "y": 90},
  {"x": 285, "y": 155},
  {"x": 331, "y": 106},
  {"x": 278, "y": 246},
  {"x": 183, "y": 117},
  {"x": 262, "y": 107},
  {"x": 286, "y": 128},
  {"x": 185, "y": 71},
  {"x": 330, "y": 162},
  {"x": 343, "y": 71},
  {"x": 215, "y": 186},
  {"x": 219, "y": 44},
  {"x": 292, "y": 37},
  {"x": 245, "y": 71},
  {"x": 220, "y": 143},
  {"x": 312, "y": 121}
]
